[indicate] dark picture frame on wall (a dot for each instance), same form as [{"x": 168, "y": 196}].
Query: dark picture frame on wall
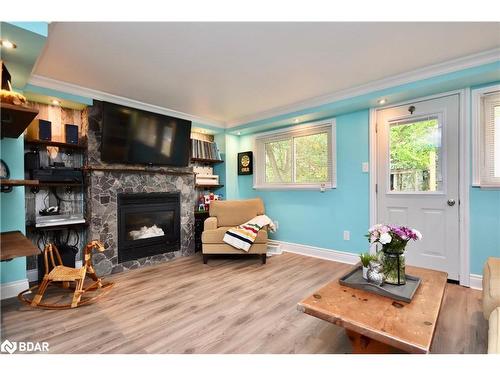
[{"x": 245, "y": 163}]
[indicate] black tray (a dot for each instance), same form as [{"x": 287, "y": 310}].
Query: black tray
[{"x": 354, "y": 279}]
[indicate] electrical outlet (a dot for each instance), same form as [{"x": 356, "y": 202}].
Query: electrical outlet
[
  {"x": 347, "y": 235},
  {"x": 276, "y": 224},
  {"x": 365, "y": 167}
]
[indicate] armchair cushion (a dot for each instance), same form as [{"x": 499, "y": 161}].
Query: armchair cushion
[
  {"x": 215, "y": 236},
  {"x": 236, "y": 212}
]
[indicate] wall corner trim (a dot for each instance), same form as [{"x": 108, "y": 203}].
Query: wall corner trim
[
  {"x": 12, "y": 289},
  {"x": 319, "y": 252}
]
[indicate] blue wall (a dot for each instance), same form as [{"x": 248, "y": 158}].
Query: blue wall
[
  {"x": 484, "y": 222},
  {"x": 12, "y": 206},
  {"x": 484, "y": 227},
  {"x": 319, "y": 219}
]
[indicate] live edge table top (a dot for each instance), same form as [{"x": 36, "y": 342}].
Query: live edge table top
[{"x": 406, "y": 326}]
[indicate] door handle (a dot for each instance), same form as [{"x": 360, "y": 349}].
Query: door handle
[{"x": 451, "y": 202}]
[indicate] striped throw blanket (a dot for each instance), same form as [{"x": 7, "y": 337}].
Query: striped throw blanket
[{"x": 244, "y": 235}]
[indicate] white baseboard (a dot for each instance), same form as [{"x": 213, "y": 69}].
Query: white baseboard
[
  {"x": 12, "y": 289},
  {"x": 32, "y": 275},
  {"x": 476, "y": 281},
  {"x": 319, "y": 252}
]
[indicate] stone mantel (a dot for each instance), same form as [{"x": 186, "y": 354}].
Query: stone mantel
[{"x": 134, "y": 169}]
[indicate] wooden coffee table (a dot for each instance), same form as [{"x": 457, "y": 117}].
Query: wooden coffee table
[{"x": 377, "y": 324}]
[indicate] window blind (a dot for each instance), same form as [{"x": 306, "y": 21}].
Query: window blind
[{"x": 490, "y": 163}]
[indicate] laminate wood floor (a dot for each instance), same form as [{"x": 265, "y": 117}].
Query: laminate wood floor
[{"x": 228, "y": 306}]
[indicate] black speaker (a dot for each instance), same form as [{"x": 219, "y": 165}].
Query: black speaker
[
  {"x": 44, "y": 130},
  {"x": 72, "y": 134},
  {"x": 31, "y": 162}
]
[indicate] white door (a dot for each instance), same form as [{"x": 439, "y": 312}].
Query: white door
[{"x": 418, "y": 180}]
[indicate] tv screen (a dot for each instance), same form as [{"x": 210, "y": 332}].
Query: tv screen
[{"x": 134, "y": 136}]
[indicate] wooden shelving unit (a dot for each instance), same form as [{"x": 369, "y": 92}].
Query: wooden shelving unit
[
  {"x": 15, "y": 244},
  {"x": 69, "y": 146},
  {"x": 4, "y": 182},
  {"x": 15, "y": 119}
]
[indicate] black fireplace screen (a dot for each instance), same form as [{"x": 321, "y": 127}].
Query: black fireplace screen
[{"x": 148, "y": 224}]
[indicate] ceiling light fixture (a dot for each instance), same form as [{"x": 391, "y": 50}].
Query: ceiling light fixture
[
  {"x": 382, "y": 101},
  {"x": 55, "y": 102},
  {"x": 7, "y": 44},
  {"x": 239, "y": 133},
  {"x": 296, "y": 120}
]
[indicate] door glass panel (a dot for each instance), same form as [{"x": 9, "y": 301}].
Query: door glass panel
[
  {"x": 415, "y": 155},
  {"x": 279, "y": 161}
]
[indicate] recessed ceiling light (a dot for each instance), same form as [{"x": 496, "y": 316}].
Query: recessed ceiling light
[
  {"x": 7, "y": 44},
  {"x": 55, "y": 102},
  {"x": 239, "y": 133},
  {"x": 296, "y": 120},
  {"x": 382, "y": 101}
]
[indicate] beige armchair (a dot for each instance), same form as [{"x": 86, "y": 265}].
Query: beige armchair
[
  {"x": 491, "y": 302},
  {"x": 227, "y": 214}
]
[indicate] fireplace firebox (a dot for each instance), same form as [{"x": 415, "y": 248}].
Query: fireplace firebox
[{"x": 148, "y": 224}]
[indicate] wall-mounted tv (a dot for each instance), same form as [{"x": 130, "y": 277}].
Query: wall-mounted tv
[{"x": 134, "y": 136}]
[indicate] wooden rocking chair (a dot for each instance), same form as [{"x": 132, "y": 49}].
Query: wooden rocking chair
[{"x": 64, "y": 274}]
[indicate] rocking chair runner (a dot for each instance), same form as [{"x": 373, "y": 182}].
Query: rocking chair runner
[{"x": 61, "y": 273}]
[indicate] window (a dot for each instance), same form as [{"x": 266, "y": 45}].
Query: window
[
  {"x": 301, "y": 157},
  {"x": 486, "y": 137}
]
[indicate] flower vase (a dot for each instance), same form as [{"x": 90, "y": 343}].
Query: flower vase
[
  {"x": 365, "y": 272},
  {"x": 394, "y": 266}
]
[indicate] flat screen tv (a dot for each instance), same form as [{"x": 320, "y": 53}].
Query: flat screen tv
[{"x": 134, "y": 136}]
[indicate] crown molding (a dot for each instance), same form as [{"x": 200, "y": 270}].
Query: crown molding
[
  {"x": 430, "y": 71},
  {"x": 70, "y": 88}
]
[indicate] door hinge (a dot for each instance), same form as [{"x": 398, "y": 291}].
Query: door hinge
[
  {"x": 376, "y": 188},
  {"x": 376, "y": 127}
]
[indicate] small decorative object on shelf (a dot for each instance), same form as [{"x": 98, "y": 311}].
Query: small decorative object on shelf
[
  {"x": 5, "y": 175},
  {"x": 375, "y": 274},
  {"x": 365, "y": 262},
  {"x": 393, "y": 240}
]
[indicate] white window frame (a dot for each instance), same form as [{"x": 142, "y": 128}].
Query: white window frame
[
  {"x": 479, "y": 178},
  {"x": 259, "y": 181}
]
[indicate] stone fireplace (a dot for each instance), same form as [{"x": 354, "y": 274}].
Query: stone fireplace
[
  {"x": 110, "y": 185},
  {"x": 148, "y": 225}
]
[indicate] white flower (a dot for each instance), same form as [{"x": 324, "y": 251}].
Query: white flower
[
  {"x": 418, "y": 234},
  {"x": 385, "y": 238}
]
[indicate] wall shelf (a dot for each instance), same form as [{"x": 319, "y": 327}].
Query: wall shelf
[
  {"x": 5, "y": 182},
  {"x": 15, "y": 244},
  {"x": 33, "y": 227},
  {"x": 58, "y": 184},
  {"x": 15, "y": 119},
  {"x": 69, "y": 146},
  {"x": 206, "y": 161},
  {"x": 209, "y": 186}
]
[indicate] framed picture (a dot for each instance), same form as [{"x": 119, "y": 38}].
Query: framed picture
[{"x": 245, "y": 163}]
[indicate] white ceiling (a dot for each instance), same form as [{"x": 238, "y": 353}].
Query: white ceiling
[{"x": 232, "y": 72}]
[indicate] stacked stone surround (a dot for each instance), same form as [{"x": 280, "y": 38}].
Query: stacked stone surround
[{"x": 103, "y": 187}]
